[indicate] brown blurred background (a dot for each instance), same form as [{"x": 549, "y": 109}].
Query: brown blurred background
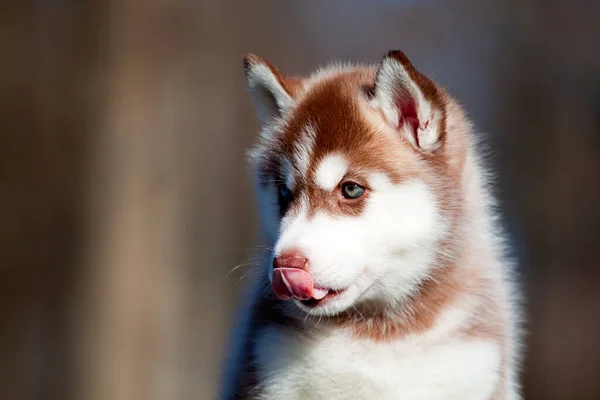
[{"x": 125, "y": 198}]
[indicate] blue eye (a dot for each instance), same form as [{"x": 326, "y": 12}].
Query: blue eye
[
  {"x": 285, "y": 193},
  {"x": 351, "y": 190}
]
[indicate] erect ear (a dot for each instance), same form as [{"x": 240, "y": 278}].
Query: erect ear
[
  {"x": 272, "y": 93},
  {"x": 410, "y": 101}
]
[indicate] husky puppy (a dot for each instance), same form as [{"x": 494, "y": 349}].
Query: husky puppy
[{"x": 387, "y": 278}]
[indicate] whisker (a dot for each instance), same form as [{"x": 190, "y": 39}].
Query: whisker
[
  {"x": 249, "y": 273},
  {"x": 258, "y": 247},
  {"x": 249, "y": 263}
]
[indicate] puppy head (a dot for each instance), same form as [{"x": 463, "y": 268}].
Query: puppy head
[{"x": 352, "y": 170}]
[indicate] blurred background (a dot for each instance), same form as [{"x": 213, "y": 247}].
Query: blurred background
[{"x": 125, "y": 198}]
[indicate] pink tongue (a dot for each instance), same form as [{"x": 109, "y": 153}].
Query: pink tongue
[{"x": 295, "y": 283}]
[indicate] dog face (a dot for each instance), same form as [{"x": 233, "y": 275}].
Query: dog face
[{"x": 352, "y": 181}]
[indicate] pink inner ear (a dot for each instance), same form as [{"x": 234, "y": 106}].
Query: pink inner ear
[{"x": 407, "y": 114}]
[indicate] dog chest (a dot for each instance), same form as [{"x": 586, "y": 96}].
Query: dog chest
[{"x": 337, "y": 366}]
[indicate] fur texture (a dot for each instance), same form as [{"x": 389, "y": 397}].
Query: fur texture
[{"x": 420, "y": 303}]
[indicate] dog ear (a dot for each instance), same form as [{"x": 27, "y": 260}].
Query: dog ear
[
  {"x": 272, "y": 92},
  {"x": 410, "y": 101}
]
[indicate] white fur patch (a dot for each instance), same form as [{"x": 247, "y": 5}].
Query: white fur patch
[
  {"x": 337, "y": 365},
  {"x": 330, "y": 171}
]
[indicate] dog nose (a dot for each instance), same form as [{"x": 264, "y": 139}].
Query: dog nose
[
  {"x": 291, "y": 279},
  {"x": 291, "y": 259}
]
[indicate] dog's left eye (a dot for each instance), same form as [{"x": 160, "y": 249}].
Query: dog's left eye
[
  {"x": 285, "y": 196},
  {"x": 351, "y": 190},
  {"x": 285, "y": 192}
]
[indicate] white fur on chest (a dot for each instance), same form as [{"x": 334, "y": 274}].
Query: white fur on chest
[{"x": 337, "y": 366}]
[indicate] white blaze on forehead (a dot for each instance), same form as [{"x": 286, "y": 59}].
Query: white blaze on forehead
[
  {"x": 303, "y": 148},
  {"x": 330, "y": 171}
]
